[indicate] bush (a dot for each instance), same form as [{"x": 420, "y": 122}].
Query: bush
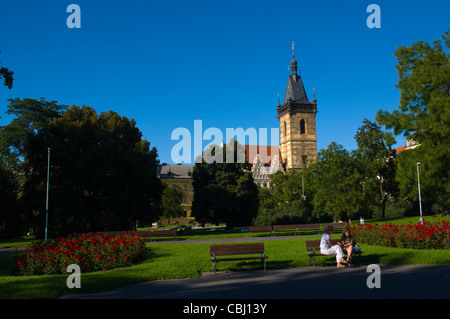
[
  {"x": 427, "y": 236},
  {"x": 92, "y": 252},
  {"x": 280, "y": 216}
]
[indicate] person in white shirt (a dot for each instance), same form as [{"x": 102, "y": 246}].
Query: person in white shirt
[{"x": 327, "y": 249}]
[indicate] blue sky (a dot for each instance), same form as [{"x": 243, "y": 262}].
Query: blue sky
[{"x": 168, "y": 63}]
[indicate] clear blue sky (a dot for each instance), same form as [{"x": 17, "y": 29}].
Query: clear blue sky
[{"x": 168, "y": 63}]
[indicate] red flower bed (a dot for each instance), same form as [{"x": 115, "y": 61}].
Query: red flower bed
[
  {"x": 92, "y": 252},
  {"x": 427, "y": 236}
]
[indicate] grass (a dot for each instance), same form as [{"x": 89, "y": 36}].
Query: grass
[{"x": 189, "y": 260}]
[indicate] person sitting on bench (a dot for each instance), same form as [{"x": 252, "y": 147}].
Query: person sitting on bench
[{"x": 327, "y": 249}]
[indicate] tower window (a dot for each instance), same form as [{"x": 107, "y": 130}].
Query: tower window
[
  {"x": 304, "y": 157},
  {"x": 302, "y": 127},
  {"x": 285, "y": 129}
]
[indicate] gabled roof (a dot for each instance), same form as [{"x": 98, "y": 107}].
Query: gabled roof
[
  {"x": 175, "y": 171},
  {"x": 266, "y": 152}
]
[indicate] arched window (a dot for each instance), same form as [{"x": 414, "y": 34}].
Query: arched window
[{"x": 302, "y": 127}]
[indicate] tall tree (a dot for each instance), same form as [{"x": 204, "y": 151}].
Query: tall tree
[
  {"x": 10, "y": 223},
  {"x": 224, "y": 192},
  {"x": 172, "y": 197},
  {"x": 30, "y": 117},
  {"x": 377, "y": 162},
  {"x": 337, "y": 181},
  {"x": 102, "y": 173},
  {"x": 424, "y": 112}
]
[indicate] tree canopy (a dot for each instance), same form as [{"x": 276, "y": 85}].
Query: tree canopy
[
  {"x": 224, "y": 192},
  {"x": 423, "y": 116},
  {"x": 102, "y": 173}
]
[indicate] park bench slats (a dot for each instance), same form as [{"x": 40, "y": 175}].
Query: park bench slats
[
  {"x": 237, "y": 250},
  {"x": 336, "y": 226},
  {"x": 280, "y": 228},
  {"x": 313, "y": 250},
  {"x": 142, "y": 233},
  {"x": 163, "y": 233},
  {"x": 260, "y": 229}
]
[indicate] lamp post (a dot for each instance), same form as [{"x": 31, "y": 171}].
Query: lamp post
[
  {"x": 303, "y": 188},
  {"x": 46, "y": 203},
  {"x": 420, "y": 199}
]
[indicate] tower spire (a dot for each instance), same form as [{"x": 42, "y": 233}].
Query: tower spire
[{"x": 293, "y": 62}]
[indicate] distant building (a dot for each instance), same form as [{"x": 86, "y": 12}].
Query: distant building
[
  {"x": 410, "y": 144},
  {"x": 297, "y": 120},
  {"x": 180, "y": 175},
  {"x": 266, "y": 161}
]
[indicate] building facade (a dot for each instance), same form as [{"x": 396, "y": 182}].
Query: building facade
[{"x": 180, "y": 175}]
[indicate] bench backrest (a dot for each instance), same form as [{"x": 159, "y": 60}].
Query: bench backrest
[
  {"x": 308, "y": 226},
  {"x": 236, "y": 249},
  {"x": 260, "y": 228},
  {"x": 284, "y": 227},
  {"x": 315, "y": 244},
  {"x": 340, "y": 226},
  {"x": 164, "y": 232}
]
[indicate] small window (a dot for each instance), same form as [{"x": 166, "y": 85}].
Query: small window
[
  {"x": 304, "y": 157},
  {"x": 302, "y": 127},
  {"x": 285, "y": 129}
]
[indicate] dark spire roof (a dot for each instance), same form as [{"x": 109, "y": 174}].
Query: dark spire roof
[
  {"x": 295, "y": 98},
  {"x": 295, "y": 91}
]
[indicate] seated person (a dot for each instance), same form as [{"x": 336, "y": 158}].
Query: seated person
[{"x": 327, "y": 249}]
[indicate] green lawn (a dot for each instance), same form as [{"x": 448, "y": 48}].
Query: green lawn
[{"x": 189, "y": 260}]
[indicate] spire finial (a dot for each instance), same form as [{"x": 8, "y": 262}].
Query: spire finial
[
  {"x": 278, "y": 95},
  {"x": 293, "y": 62}
]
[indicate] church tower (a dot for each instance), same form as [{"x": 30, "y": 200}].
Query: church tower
[{"x": 297, "y": 116}]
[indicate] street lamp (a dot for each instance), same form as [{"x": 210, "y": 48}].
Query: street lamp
[
  {"x": 303, "y": 188},
  {"x": 420, "y": 199},
  {"x": 46, "y": 203}
]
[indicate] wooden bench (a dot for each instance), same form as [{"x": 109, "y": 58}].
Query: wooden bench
[
  {"x": 313, "y": 250},
  {"x": 308, "y": 228},
  {"x": 216, "y": 251},
  {"x": 286, "y": 228},
  {"x": 255, "y": 229},
  {"x": 163, "y": 233},
  {"x": 107, "y": 233},
  {"x": 337, "y": 227},
  {"x": 141, "y": 233}
]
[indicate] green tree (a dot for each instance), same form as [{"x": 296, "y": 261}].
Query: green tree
[
  {"x": 30, "y": 117},
  {"x": 7, "y": 76},
  {"x": 337, "y": 183},
  {"x": 10, "y": 224},
  {"x": 171, "y": 199},
  {"x": 224, "y": 192},
  {"x": 102, "y": 173},
  {"x": 377, "y": 163},
  {"x": 423, "y": 115}
]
